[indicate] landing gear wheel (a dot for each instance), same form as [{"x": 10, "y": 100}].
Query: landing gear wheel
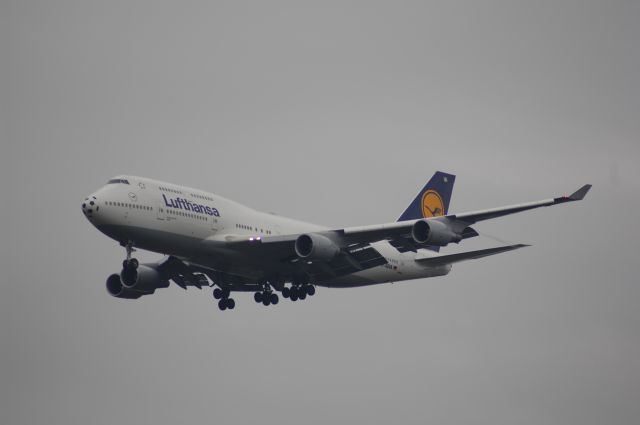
[
  {"x": 311, "y": 290},
  {"x": 274, "y": 299},
  {"x": 266, "y": 301},
  {"x": 217, "y": 293},
  {"x": 302, "y": 295},
  {"x": 231, "y": 304},
  {"x": 293, "y": 296},
  {"x": 222, "y": 304},
  {"x": 258, "y": 297},
  {"x": 286, "y": 292}
]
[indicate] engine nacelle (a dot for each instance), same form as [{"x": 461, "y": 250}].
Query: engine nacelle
[
  {"x": 144, "y": 279},
  {"x": 116, "y": 288},
  {"x": 433, "y": 232},
  {"x": 316, "y": 247}
]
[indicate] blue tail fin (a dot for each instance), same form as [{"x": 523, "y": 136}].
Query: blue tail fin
[{"x": 433, "y": 200}]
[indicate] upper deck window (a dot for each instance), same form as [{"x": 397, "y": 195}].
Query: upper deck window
[{"x": 115, "y": 181}]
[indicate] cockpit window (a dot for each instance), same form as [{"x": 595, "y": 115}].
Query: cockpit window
[{"x": 115, "y": 181}]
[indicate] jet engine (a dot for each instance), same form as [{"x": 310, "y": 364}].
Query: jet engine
[
  {"x": 132, "y": 285},
  {"x": 315, "y": 247},
  {"x": 146, "y": 279},
  {"x": 433, "y": 232},
  {"x": 118, "y": 290}
]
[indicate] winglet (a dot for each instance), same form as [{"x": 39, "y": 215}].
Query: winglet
[{"x": 579, "y": 194}]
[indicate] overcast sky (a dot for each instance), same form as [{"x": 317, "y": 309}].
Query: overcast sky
[{"x": 335, "y": 113}]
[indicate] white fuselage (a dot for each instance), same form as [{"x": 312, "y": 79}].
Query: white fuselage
[{"x": 178, "y": 221}]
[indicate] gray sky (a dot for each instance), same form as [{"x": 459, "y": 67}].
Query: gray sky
[{"x": 336, "y": 113}]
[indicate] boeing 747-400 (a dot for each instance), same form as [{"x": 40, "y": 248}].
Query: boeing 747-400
[{"x": 211, "y": 241}]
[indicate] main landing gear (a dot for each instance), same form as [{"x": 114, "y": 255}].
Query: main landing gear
[
  {"x": 266, "y": 296},
  {"x": 225, "y": 302},
  {"x": 298, "y": 292},
  {"x": 130, "y": 265}
]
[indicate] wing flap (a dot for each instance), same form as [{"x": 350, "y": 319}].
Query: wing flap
[{"x": 347, "y": 262}]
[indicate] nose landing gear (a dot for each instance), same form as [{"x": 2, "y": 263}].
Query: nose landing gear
[{"x": 130, "y": 265}]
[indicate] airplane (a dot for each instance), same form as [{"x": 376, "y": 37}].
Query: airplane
[{"x": 210, "y": 241}]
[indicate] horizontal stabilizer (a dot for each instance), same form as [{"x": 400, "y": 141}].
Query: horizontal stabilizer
[{"x": 442, "y": 260}]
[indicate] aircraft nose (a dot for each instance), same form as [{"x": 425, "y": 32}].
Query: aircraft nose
[{"x": 90, "y": 206}]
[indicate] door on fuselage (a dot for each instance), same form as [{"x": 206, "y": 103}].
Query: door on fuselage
[
  {"x": 214, "y": 223},
  {"x": 160, "y": 212}
]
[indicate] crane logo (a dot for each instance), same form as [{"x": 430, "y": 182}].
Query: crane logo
[{"x": 432, "y": 204}]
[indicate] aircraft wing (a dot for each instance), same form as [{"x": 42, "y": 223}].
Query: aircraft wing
[
  {"x": 399, "y": 234},
  {"x": 354, "y": 253}
]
